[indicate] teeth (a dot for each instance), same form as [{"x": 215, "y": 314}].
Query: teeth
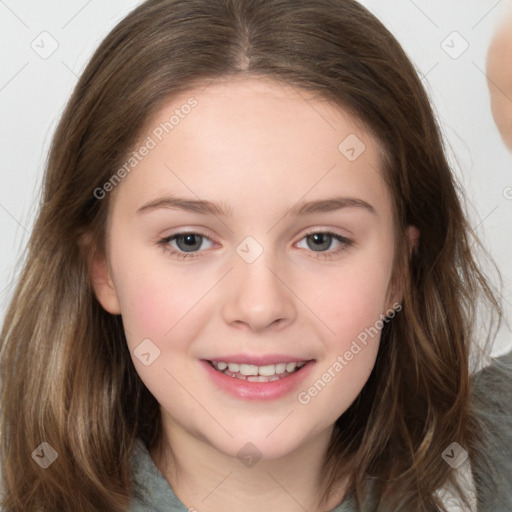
[
  {"x": 259, "y": 378},
  {"x": 246, "y": 369},
  {"x": 280, "y": 368},
  {"x": 253, "y": 372},
  {"x": 267, "y": 371},
  {"x": 290, "y": 367}
]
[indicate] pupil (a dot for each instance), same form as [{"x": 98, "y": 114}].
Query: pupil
[
  {"x": 319, "y": 237},
  {"x": 189, "y": 241}
]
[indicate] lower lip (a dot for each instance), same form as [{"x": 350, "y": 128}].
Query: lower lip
[{"x": 246, "y": 390}]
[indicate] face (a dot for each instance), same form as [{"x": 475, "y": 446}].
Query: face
[{"x": 292, "y": 264}]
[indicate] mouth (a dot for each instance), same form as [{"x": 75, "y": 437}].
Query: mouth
[
  {"x": 253, "y": 373},
  {"x": 258, "y": 378}
]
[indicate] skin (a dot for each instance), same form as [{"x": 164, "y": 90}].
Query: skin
[
  {"x": 499, "y": 79},
  {"x": 258, "y": 147}
]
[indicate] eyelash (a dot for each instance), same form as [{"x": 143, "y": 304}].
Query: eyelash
[{"x": 164, "y": 244}]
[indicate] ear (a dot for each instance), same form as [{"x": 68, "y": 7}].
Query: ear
[
  {"x": 413, "y": 234},
  {"x": 101, "y": 278},
  {"x": 396, "y": 291}
]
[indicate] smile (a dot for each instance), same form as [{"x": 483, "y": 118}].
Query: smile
[
  {"x": 252, "y": 373},
  {"x": 272, "y": 380}
]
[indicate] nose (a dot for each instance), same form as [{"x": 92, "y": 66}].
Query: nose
[{"x": 258, "y": 296}]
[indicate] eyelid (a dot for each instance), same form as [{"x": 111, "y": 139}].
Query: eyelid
[{"x": 328, "y": 231}]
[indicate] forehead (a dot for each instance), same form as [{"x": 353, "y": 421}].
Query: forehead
[{"x": 246, "y": 140}]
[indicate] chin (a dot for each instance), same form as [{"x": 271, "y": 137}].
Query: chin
[{"x": 259, "y": 444}]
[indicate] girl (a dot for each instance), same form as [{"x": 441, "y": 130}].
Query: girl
[{"x": 250, "y": 283}]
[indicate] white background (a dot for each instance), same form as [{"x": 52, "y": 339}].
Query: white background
[{"x": 33, "y": 92}]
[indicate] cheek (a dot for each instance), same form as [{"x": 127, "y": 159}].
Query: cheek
[
  {"x": 353, "y": 300},
  {"x": 156, "y": 303},
  {"x": 160, "y": 306},
  {"x": 352, "y": 309}
]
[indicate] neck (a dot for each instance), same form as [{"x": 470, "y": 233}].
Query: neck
[{"x": 207, "y": 480}]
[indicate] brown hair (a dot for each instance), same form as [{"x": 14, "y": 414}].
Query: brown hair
[{"x": 67, "y": 375}]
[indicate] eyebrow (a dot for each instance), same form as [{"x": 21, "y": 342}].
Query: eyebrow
[{"x": 207, "y": 207}]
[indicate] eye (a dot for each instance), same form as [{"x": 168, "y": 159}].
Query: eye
[
  {"x": 187, "y": 244},
  {"x": 321, "y": 241}
]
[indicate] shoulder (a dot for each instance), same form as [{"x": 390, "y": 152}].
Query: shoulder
[{"x": 492, "y": 462}]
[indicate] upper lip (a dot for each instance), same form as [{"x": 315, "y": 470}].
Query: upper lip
[{"x": 258, "y": 360}]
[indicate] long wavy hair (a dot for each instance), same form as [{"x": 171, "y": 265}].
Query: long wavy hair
[{"x": 66, "y": 372}]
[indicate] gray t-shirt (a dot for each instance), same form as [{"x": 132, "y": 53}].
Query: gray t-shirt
[{"x": 492, "y": 469}]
